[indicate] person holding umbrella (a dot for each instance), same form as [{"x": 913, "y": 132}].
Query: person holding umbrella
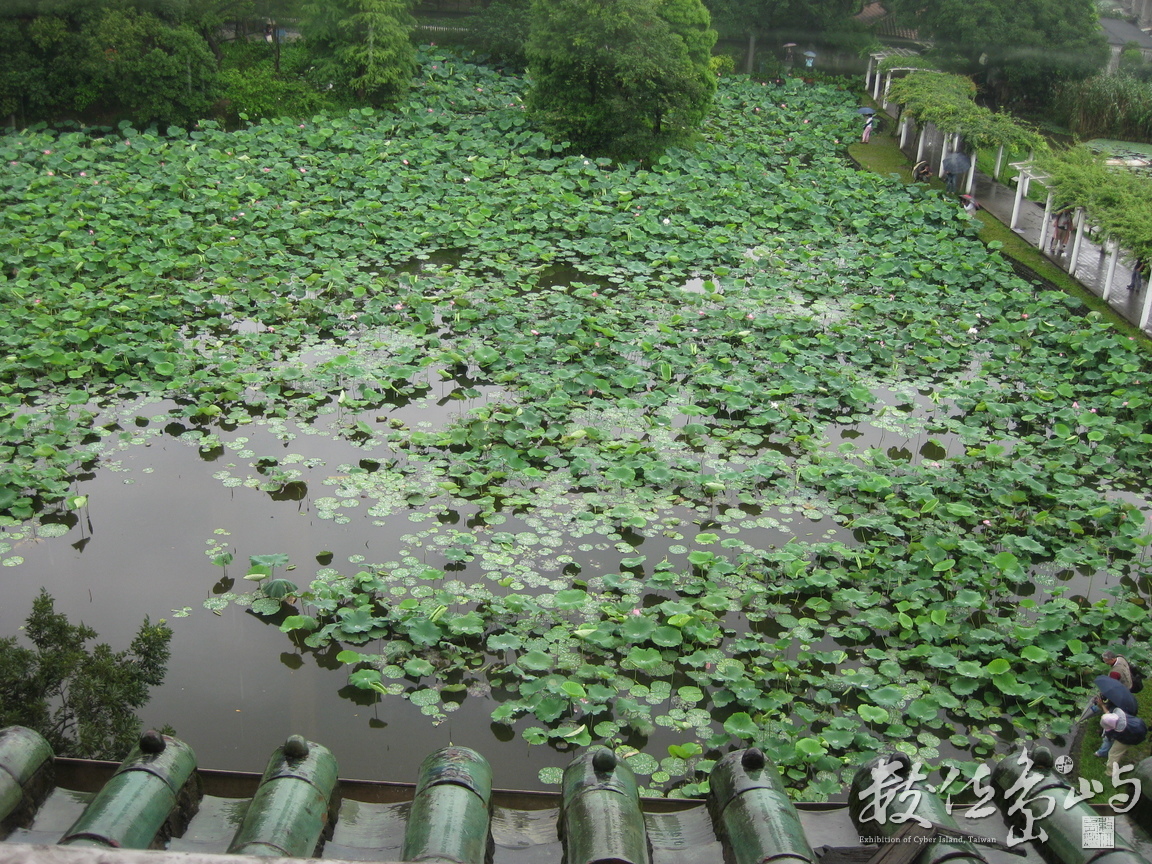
[
  {"x": 868, "y": 128},
  {"x": 1113, "y": 696},
  {"x": 954, "y": 165}
]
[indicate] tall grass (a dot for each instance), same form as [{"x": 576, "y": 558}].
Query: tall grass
[{"x": 1108, "y": 106}]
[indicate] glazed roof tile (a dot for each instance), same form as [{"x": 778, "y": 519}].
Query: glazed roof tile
[{"x": 67, "y": 811}]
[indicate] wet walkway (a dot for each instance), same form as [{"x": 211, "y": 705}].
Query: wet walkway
[{"x": 1092, "y": 262}]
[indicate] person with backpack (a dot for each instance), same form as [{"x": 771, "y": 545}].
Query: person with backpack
[
  {"x": 1121, "y": 668},
  {"x": 1123, "y": 731}
]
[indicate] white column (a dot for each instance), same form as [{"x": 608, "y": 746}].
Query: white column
[
  {"x": 1020, "y": 180},
  {"x": 887, "y": 87},
  {"x": 1147, "y": 311},
  {"x": 1046, "y": 224},
  {"x": 1112, "y": 261},
  {"x": 943, "y": 155},
  {"x": 905, "y": 124},
  {"x": 971, "y": 175},
  {"x": 999, "y": 162},
  {"x": 868, "y": 74},
  {"x": 920, "y": 143},
  {"x": 1081, "y": 219},
  {"x": 876, "y": 86}
]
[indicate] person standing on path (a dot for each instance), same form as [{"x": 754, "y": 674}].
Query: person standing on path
[
  {"x": 1061, "y": 230},
  {"x": 868, "y": 128},
  {"x": 1137, "y": 280}
]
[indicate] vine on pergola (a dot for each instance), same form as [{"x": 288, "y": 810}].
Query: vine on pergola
[
  {"x": 1119, "y": 200},
  {"x": 946, "y": 101}
]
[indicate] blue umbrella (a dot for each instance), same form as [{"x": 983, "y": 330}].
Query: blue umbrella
[
  {"x": 865, "y": 110},
  {"x": 1117, "y": 694},
  {"x": 957, "y": 163}
]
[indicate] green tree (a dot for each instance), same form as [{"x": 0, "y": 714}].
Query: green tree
[
  {"x": 624, "y": 78},
  {"x": 81, "y": 699},
  {"x": 148, "y": 69},
  {"x": 109, "y": 58},
  {"x": 1020, "y": 52},
  {"x": 362, "y": 46}
]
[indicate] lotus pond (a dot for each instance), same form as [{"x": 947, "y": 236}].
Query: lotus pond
[{"x": 418, "y": 430}]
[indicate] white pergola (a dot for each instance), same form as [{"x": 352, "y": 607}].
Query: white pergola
[
  {"x": 872, "y": 83},
  {"x": 1029, "y": 173}
]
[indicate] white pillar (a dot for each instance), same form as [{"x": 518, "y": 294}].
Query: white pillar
[
  {"x": 868, "y": 74},
  {"x": 920, "y": 144},
  {"x": 905, "y": 124},
  {"x": 943, "y": 155},
  {"x": 1112, "y": 261},
  {"x": 999, "y": 162},
  {"x": 1047, "y": 222},
  {"x": 887, "y": 87},
  {"x": 971, "y": 175},
  {"x": 876, "y": 86},
  {"x": 1081, "y": 219},
  {"x": 1147, "y": 311},
  {"x": 1020, "y": 180}
]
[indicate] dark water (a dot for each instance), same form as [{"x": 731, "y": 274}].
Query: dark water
[{"x": 237, "y": 686}]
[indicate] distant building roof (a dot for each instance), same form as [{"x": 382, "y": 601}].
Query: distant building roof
[
  {"x": 1120, "y": 32},
  {"x": 877, "y": 16}
]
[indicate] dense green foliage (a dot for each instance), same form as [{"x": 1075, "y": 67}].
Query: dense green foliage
[
  {"x": 1119, "y": 200},
  {"x": 499, "y": 33},
  {"x": 1019, "y": 52},
  {"x": 361, "y": 46},
  {"x": 623, "y": 79},
  {"x": 109, "y": 55},
  {"x": 178, "y": 61},
  {"x": 653, "y": 509},
  {"x": 81, "y": 698},
  {"x": 1108, "y": 106},
  {"x": 946, "y": 101}
]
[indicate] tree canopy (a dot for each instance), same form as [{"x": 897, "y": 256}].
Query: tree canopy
[
  {"x": 81, "y": 699},
  {"x": 362, "y": 46},
  {"x": 620, "y": 77},
  {"x": 1018, "y": 51}
]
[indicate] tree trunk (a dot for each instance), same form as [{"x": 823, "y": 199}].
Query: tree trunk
[{"x": 751, "y": 59}]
